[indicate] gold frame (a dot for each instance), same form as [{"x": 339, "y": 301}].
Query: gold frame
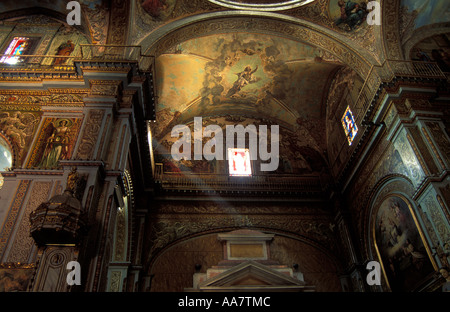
[{"x": 416, "y": 223}]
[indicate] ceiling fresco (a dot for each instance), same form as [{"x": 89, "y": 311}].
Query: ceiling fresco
[
  {"x": 426, "y": 12},
  {"x": 301, "y": 151},
  {"x": 421, "y": 19},
  {"x": 158, "y": 9},
  {"x": 252, "y": 75},
  {"x": 348, "y": 15}
]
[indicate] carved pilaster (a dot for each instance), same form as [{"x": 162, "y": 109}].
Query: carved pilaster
[{"x": 89, "y": 139}]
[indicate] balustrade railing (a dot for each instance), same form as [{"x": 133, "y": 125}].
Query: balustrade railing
[
  {"x": 415, "y": 69},
  {"x": 217, "y": 182}
]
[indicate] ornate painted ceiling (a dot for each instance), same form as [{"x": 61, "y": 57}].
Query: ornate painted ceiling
[
  {"x": 245, "y": 74},
  {"x": 274, "y": 61}
]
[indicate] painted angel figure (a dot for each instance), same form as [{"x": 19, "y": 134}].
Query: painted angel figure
[
  {"x": 352, "y": 13},
  {"x": 57, "y": 145},
  {"x": 244, "y": 78},
  {"x": 155, "y": 7},
  {"x": 17, "y": 125}
]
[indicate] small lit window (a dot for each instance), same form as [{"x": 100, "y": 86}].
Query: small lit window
[
  {"x": 239, "y": 162},
  {"x": 5, "y": 155},
  {"x": 349, "y": 124},
  {"x": 5, "y": 158}
]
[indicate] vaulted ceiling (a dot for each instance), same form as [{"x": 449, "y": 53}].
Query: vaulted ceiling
[
  {"x": 275, "y": 61},
  {"x": 246, "y": 74}
]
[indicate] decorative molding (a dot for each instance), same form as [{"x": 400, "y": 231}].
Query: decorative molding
[
  {"x": 436, "y": 214},
  {"x": 440, "y": 138},
  {"x": 115, "y": 281},
  {"x": 391, "y": 33},
  {"x": 90, "y": 134},
  {"x": 14, "y": 209},
  {"x": 103, "y": 239},
  {"x": 433, "y": 147},
  {"x": 98, "y": 20},
  {"x": 120, "y": 235},
  {"x": 23, "y": 243},
  {"x": 167, "y": 229},
  {"x": 118, "y": 23}
]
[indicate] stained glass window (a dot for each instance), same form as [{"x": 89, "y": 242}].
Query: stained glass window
[
  {"x": 239, "y": 162},
  {"x": 349, "y": 124},
  {"x": 18, "y": 46}
]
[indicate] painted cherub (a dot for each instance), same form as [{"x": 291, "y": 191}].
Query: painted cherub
[{"x": 245, "y": 77}]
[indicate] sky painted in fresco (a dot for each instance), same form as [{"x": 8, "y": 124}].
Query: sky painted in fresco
[{"x": 430, "y": 11}]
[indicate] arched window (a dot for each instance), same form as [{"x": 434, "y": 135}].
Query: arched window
[
  {"x": 17, "y": 47},
  {"x": 5, "y": 158}
]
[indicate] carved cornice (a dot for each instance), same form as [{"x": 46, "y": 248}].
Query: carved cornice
[
  {"x": 17, "y": 265},
  {"x": 110, "y": 88},
  {"x": 267, "y": 187},
  {"x": 48, "y": 97}
]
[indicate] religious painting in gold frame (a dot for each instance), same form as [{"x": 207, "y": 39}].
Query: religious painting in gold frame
[
  {"x": 400, "y": 244},
  {"x": 56, "y": 140}
]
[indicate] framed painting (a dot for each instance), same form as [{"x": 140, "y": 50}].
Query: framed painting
[
  {"x": 56, "y": 140},
  {"x": 399, "y": 242}
]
